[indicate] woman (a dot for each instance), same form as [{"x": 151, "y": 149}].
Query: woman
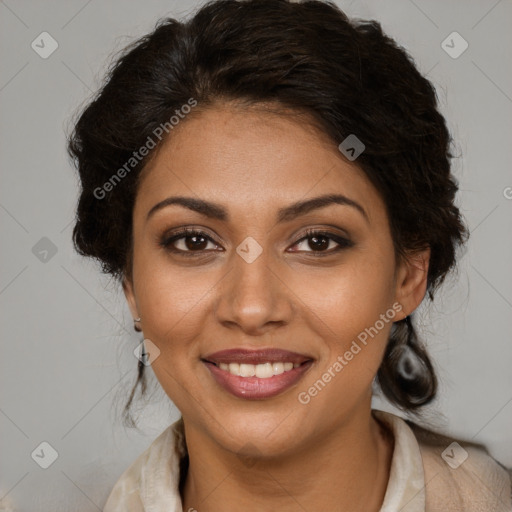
[{"x": 271, "y": 184}]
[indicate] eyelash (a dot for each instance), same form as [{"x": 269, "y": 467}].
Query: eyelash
[{"x": 167, "y": 241}]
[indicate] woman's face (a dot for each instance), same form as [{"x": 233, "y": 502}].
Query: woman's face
[{"x": 252, "y": 280}]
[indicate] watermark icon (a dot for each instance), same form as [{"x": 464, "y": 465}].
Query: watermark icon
[
  {"x": 507, "y": 192},
  {"x": 44, "y": 455},
  {"x": 146, "y": 352},
  {"x": 351, "y": 147},
  {"x": 454, "y": 45},
  {"x": 454, "y": 455},
  {"x": 44, "y": 45},
  {"x": 249, "y": 249},
  {"x": 143, "y": 151},
  {"x": 248, "y": 460},
  {"x": 44, "y": 250},
  {"x": 304, "y": 397}
]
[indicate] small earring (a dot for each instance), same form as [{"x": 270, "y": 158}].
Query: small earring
[{"x": 135, "y": 326}]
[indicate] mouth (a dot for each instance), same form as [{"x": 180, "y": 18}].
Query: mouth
[{"x": 257, "y": 374}]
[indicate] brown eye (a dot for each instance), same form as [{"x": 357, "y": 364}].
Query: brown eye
[
  {"x": 187, "y": 241},
  {"x": 196, "y": 242},
  {"x": 319, "y": 243},
  {"x": 322, "y": 242}
]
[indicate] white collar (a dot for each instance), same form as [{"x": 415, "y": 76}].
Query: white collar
[
  {"x": 151, "y": 483},
  {"x": 406, "y": 485}
]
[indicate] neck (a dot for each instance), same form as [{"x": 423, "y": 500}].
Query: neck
[{"x": 346, "y": 469}]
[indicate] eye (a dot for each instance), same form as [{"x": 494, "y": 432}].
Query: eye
[
  {"x": 322, "y": 242},
  {"x": 188, "y": 241},
  {"x": 192, "y": 242}
]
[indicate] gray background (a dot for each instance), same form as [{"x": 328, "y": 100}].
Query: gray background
[{"x": 67, "y": 338}]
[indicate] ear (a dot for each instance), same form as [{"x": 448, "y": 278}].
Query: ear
[
  {"x": 130, "y": 296},
  {"x": 411, "y": 281}
]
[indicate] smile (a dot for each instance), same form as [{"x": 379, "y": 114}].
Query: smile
[
  {"x": 257, "y": 374},
  {"x": 262, "y": 371}
]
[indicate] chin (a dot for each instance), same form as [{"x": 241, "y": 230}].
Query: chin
[{"x": 257, "y": 435}]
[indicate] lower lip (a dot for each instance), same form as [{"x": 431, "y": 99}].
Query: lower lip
[{"x": 254, "y": 388}]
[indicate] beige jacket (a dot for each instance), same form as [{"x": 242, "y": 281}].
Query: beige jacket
[{"x": 429, "y": 473}]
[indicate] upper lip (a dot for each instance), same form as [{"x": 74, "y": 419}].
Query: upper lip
[{"x": 247, "y": 356}]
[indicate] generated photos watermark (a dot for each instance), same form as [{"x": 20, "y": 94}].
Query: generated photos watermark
[
  {"x": 151, "y": 142},
  {"x": 304, "y": 397}
]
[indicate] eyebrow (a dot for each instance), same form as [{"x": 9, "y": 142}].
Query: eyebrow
[{"x": 286, "y": 214}]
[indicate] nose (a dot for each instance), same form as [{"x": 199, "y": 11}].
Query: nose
[{"x": 253, "y": 297}]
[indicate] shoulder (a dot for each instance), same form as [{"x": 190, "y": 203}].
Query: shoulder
[
  {"x": 133, "y": 492},
  {"x": 125, "y": 494},
  {"x": 461, "y": 475}
]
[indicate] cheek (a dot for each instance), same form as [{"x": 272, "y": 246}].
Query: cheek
[
  {"x": 351, "y": 297},
  {"x": 167, "y": 292},
  {"x": 352, "y": 310},
  {"x": 172, "y": 303},
  {"x": 175, "y": 303}
]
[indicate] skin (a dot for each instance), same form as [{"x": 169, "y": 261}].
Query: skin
[{"x": 329, "y": 454}]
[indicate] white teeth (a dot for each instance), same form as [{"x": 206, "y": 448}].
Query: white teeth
[
  {"x": 262, "y": 371},
  {"x": 247, "y": 370},
  {"x": 234, "y": 368},
  {"x": 278, "y": 368}
]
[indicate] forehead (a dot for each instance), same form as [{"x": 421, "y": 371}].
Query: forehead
[{"x": 248, "y": 158}]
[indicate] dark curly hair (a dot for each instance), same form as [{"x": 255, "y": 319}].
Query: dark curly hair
[{"x": 346, "y": 75}]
